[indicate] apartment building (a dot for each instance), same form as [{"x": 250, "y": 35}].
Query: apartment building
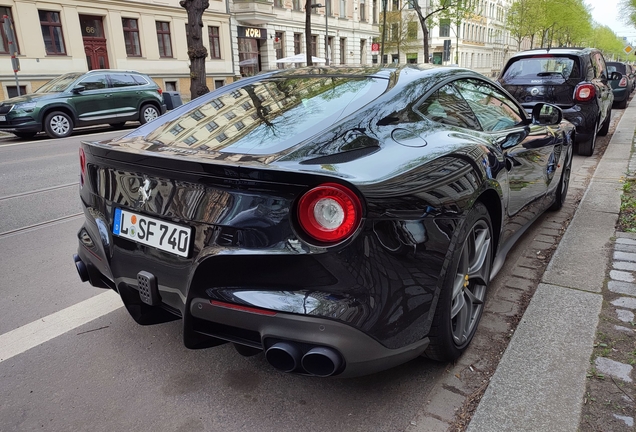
[
  {"x": 269, "y": 30},
  {"x": 243, "y": 37},
  {"x": 478, "y": 40},
  {"x": 149, "y": 36}
]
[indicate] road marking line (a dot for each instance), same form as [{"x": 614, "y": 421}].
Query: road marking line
[{"x": 43, "y": 330}]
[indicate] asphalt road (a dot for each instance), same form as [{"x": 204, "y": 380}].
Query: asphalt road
[{"x": 111, "y": 374}]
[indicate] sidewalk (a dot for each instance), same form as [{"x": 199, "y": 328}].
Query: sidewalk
[{"x": 540, "y": 383}]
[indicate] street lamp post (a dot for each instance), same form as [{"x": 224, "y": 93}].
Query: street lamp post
[{"x": 320, "y": 5}]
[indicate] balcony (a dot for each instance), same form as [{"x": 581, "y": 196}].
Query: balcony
[{"x": 254, "y": 12}]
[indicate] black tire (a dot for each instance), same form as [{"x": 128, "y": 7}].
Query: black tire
[
  {"x": 117, "y": 125},
  {"x": 586, "y": 148},
  {"x": 148, "y": 112},
  {"x": 58, "y": 124},
  {"x": 606, "y": 124},
  {"x": 25, "y": 135},
  {"x": 564, "y": 183},
  {"x": 462, "y": 295},
  {"x": 622, "y": 104}
]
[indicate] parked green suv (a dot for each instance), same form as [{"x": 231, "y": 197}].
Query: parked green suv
[{"x": 101, "y": 96}]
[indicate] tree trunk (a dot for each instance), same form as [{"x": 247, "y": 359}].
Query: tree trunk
[
  {"x": 422, "y": 19},
  {"x": 308, "y": 31},
  {"x": 197, "y": 53}
]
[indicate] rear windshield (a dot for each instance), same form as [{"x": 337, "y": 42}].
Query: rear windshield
[
  {"x": 616, "y": 67},
  {"x": 270, "y": 115},
  {"x": 542, "y": 68}
]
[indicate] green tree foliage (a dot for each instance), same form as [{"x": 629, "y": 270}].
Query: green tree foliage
[
  {"x": 628, "y": 11},
  {"x": 550, "y": 24}
]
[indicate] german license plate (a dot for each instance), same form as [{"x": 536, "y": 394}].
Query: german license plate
[
  {"x": 3, "y": 118},
  {"x": 153, "y": 232}
]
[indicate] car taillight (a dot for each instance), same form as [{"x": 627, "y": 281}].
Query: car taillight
[
  {"x": 329, "y": 213},
  {"x": 623, "y": 82},
  {"x": 82, "y": 158},
  {"x": 160, "y": 91},
  {"x": 584, "y": 92}
]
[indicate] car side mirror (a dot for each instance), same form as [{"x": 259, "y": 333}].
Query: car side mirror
[
  {"x": 78, "y": 89},
  {"x": 615, "y": 76},
  {"x": 546, "y": 114}
]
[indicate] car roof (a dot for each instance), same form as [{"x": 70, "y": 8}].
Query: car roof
[
  {"x": 112, "y": 70},
  {"x": 556, "y": 51}
]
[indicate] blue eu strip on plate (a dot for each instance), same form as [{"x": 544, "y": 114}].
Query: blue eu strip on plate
[{"x": 117, "y": 222}]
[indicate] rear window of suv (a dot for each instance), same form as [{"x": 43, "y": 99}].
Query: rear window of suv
[{"x": 542, "y": 68}]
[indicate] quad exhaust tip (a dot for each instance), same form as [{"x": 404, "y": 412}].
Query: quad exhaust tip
[
  {"x": 318, "y": 361},
  {"x": 284, "y": 356},
  {"x": 321, "y": 361}
]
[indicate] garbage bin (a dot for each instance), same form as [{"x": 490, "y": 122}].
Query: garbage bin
[{"x": 172, "y": 99}]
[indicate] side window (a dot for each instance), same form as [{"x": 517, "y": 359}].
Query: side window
[
  {"x": 94, "y": 82},
  {"x": 494, "y": 110},
  {"x": 140, "y": 80},
  {"x": 447, "y": 106},
  {"x": 122, "y": 80}
]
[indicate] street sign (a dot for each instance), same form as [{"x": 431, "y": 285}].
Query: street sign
[
  {"x": 628, "y": 49},
  {"x": 375, "y": 47}
]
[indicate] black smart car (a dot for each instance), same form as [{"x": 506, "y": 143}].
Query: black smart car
[
  {"x": 340, "y": 220},
  {"x": 574, "y": 79}
]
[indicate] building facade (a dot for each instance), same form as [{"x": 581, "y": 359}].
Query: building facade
[
  {"x": 478, "y": 40},
  {"x": 149, "y": 36},
  {"x": 243, "y": 37},
  {"x": 265, "y": 31}
]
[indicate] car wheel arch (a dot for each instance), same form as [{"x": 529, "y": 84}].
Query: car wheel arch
[
  {"x": 492, "y": 200},
  {"x": 64, "y": 108}
]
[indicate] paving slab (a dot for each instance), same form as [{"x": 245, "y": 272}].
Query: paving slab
[
  {"x": 576, "y": 261},
  {"x": 540, "y": 381},
  {"x": 603, "y": 197}
]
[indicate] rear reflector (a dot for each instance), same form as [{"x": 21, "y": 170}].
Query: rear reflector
[
  {"x": 623, "y": 82},
  {"x": 242, "y": 308}
]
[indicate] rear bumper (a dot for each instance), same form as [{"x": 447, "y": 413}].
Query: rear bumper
[
  {"x": 350, "y": 324},
  {"x": 620, "y": 94},
  {"x": 362, "y": 354}
]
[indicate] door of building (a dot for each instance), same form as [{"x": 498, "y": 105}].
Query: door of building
[{"x": 94, "y": 42}]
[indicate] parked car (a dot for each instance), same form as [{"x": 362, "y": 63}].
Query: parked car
[
  {"x": 341, "y": 220},
  {"x": 575, "y": 79},
  {"x": 83, "y": 99},
  {"x": 625, "y": 70},
  {"x": 620, "y": 87}
]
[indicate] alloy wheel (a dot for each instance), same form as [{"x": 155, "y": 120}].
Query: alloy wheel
[
  {"x": 150, "y": 113},
  {"x": 59, "y": 125},
  {"x": 566, "y": 177},
  {"x": 471, "y": 280}
]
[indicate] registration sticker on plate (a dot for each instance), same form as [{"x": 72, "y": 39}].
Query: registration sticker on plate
[{"x": 153, "y": 232}]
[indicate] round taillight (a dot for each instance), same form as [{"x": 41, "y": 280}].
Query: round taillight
[
  {"x": 82, "y": 158},
  {"x": 329, "y": 213},
  {"x": 584, "y": 92}
]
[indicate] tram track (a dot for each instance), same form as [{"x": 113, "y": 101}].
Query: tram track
[{"x": 37, "y": 191}]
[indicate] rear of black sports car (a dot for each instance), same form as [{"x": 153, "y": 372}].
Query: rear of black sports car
[{"x": 329, "y": 271}]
